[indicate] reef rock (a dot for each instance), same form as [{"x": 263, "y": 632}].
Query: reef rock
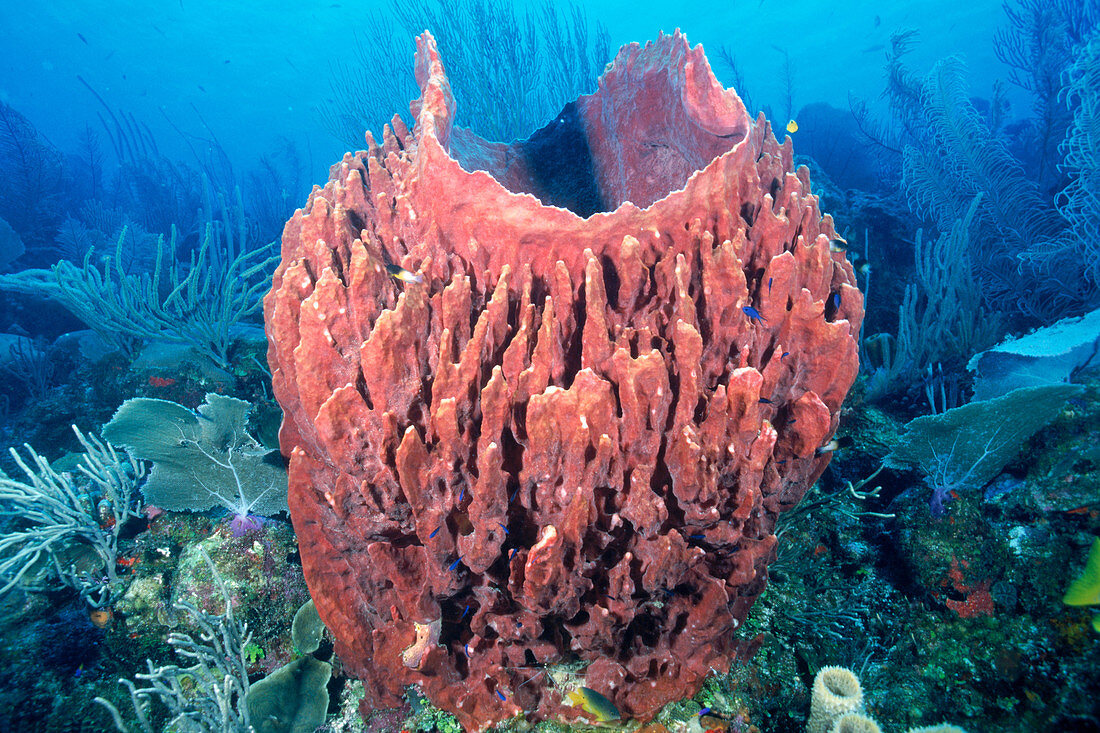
[{"x": 571, "y": 438}]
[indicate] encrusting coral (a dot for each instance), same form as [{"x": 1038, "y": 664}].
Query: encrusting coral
[{"x": 564, "y": 430}]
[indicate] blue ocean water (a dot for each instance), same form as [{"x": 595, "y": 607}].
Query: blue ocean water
[{"x": 150, "y": 155}]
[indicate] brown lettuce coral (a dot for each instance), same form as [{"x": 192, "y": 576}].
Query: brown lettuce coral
[{"x": 572, "y": 439}]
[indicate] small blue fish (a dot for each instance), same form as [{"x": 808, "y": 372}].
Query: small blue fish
[
  {"x": 467, "y": 648},
  {"x": 753, "y": 314},
  {"x": 513, "y": 496},
  {"x": 765, "y": 401},
  {"x": 465, "y": 612},
  {"x": 502, "y": 527},
  {"x": 836, "y": 300},
  {"x": 435, "y": 531},
  {"x": 454, "y": 565},
  {"x": 697, "y": 537},
  {"x": 462, "y": 495},
  {"x": 512, "y": 553},
  {"x": 785, "y": 355},
  {"x": 770, "y": 284},
  {"x": 501, "y": 696}
]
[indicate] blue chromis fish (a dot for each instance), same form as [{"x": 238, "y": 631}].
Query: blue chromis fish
[
  {"x": 753, "y": 314},
  {"x": 593, "y": 703},
  {"x": 400, "y": 273}
]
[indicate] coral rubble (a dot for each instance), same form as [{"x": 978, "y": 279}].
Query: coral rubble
[{"x": 569, "y": 434}]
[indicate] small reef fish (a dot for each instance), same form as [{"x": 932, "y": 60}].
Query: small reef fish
[
  {"x": 712, "y": 721},
  {"x": 834, "y": 444},
  {"x": 593, "y": 703},
  {"x": 792, "y": 127},
  {"x": 400, "y": 273},
  {"x": 753, "y": 314}
]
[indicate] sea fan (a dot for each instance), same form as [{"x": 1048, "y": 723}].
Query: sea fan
[{"x": 32, "y": 173}]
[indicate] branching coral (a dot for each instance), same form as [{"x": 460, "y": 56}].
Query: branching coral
[
  {"x": 209, "y": 694},
  {"x": 201, "y": 304},
  {"x": 942, "y": 314},
  {"x": 56, "y": 522},
  {"x": 1037, "y": 47},
  {"x": 513, "y": 70}
]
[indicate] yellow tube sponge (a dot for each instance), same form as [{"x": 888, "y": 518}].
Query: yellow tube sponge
[{"x": 835, "y": 692}]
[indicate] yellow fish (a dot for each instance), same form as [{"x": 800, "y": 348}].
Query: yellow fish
[
  {"x": 1085, "y": 591},
  {"x": 792, "y": 127},
  {"x": 593, "y": 703}
]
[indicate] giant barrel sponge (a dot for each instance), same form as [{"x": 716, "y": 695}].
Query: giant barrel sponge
[{"x": 565, "y": 433}]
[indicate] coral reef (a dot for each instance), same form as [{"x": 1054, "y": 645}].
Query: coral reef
[{"x": 559, "y": 438}]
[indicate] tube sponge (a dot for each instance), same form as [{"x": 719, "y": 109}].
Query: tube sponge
[
  {"x": 855, "y": 723},
  {"x": 835, "y": 693}
]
